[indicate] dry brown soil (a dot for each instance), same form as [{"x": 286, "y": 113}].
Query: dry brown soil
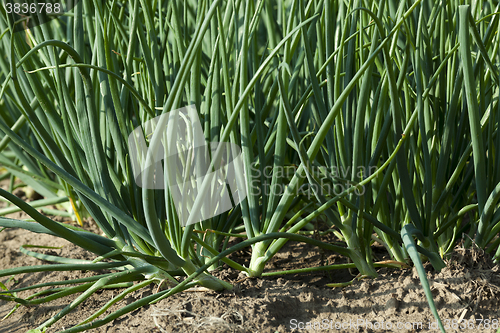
[{"x": 468, "y": 289}]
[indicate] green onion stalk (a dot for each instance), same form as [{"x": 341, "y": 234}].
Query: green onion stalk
[
  {"x": 82, "y": 141},
  {"x": 323, "y": 145}
]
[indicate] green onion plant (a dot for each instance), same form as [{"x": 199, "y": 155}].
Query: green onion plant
[{"x": 378, "y": 118}]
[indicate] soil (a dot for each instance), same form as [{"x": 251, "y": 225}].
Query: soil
[{"x": 467, "y": 289}]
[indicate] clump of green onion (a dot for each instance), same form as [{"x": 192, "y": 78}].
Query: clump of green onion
[{"x": 361, "y": 100}]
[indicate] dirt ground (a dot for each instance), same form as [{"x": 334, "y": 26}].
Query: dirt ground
[
  {"x": 469, "y": 288},
  {"x": 466, "y": 292}
]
